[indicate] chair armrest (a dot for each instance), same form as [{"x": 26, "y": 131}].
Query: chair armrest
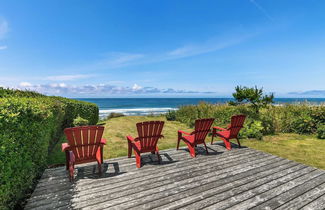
[
  {"x": 65, "y": 146},
  {"x": 130, "y": 138},
  {"x": 103, "y": 141},
  {"x": 218, "y": 128},
  {"x": 183, "y": 132}
]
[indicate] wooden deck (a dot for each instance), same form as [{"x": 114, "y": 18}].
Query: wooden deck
[{"x": 238, "y": 179}]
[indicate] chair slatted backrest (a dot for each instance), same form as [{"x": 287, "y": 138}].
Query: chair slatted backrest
[
  {"x": 202, "y": 128},
  {"x": 149, "y": 133},
  {"x": 237, "y": 122},
  {"x": 84, "y": 141}
]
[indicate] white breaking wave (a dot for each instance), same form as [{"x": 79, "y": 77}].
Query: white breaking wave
[{"x": 136, "y": 111}]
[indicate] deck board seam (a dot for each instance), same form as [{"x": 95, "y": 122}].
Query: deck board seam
[
  {"x": 253, "y": 155},
  {"x": 241, "y": 178},
  {"x": 268, "y": 189},
  {"x": 153, "y": 193},
  {"x": 190, "y": 161},
  {"x": 293, "y": 189}
]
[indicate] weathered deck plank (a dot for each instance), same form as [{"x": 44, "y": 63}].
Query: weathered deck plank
[{"x": 238, "y": 179}]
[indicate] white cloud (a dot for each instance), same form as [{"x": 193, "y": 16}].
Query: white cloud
[
  {"x": 68, "y": 77},
  {"x": 3, "y": 47},
  {"x": 25, "y": 84},
  {"x": 97, "y": 90},
  {"x": 136, "y": 87}
]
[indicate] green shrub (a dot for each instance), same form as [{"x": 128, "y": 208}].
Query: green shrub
[
  {"x": 287, "y": 118},
  {"x": 27, "y": 127},
  {"x": 321, "y": 131},
  {"x": 252, "y": 129},
  {"x": 171, "y": 115},
  {"x": 73, "y": 108},
  {"x": 79, "y": 121},
  {"x": 115, "y": 115},
  {"x": 31, "y": 124}
]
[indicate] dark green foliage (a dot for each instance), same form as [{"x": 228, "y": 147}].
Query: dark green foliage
[
  {"x": 30, "y": 123},
  {"x": 6, "y": 92},
  {"x": 171, "y": 115},
  {"x": 321, "y": 131},
  {"x": 253, "y": 96}
]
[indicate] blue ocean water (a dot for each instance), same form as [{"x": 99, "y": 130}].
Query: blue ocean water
[{"x": 145, "y": 106}]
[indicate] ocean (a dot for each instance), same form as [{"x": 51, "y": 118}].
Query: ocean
[{"x": 145, "y": 106}]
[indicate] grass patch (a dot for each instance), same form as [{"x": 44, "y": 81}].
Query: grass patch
[
  {"x": 306, "y": 149},
  {"x": 116, "y": 130}
]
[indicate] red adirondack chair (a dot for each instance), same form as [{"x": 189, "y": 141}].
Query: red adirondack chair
[
  {"x": 148, "y": 135},
  {"x": 231, "y": 132},
  {"x": 85, "y": 144},
  {"x": 201, "y": 130}
]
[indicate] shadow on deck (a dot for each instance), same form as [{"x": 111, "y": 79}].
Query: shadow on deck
[{"x": 242, "y": 178}]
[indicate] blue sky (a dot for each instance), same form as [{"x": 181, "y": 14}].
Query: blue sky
[{"x": 164, "y": 48}]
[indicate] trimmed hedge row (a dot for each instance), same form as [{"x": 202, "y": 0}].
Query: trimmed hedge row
[
  {"x": 288, "y": 118},
  {"x": 28, "y": 127}
]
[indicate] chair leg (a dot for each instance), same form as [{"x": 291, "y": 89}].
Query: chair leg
[
  {"x": 99, "y": 168},
  {"x": 67, "y": 160},
  {"x": 212, "y": 139},
  {"x": 71, "y": 165},
  {"x": 238, "y": 143},
  {"x": 129, "y": 149},
  {"x": 191, "y": 148},
  {"x": 227, "y": 143},
  {"x": 137, "y": 159},
  {"x": 206, "y": 149},
  {"x": 101, "y": 154},
  {"x": 178, "y": 140},
  {"x": 71, "y": 172},
  {"x": 158, "y": 156}
]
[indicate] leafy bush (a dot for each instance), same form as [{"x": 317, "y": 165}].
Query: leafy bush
[
  {"x": 6, "y": 92},
  {"x": 288, "y": 118},
  {"x": 252, "y": 129},
  {"x": 171, "y": 115},
  {"x": 321, "y": 131},
  {"x": 30, "y": 124},
  {"x": 79, "y": 121},
  {"x": 115, "y": 115}
]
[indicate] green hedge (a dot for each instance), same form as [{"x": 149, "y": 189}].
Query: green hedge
[
  {"x": 287, "y": 118},
  {"x": 30, "y": 124}
]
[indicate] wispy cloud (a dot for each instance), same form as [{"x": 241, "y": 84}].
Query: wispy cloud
[
  {"x": 3, "y": 47},
  {"x": 320, "y": 93},
  {"x": 262, "y": 10},
  {"x": 68, "y": 77},
  {"x": 117, "y": 60},
  {"x": 208, "y": 46},
  {"x": 98, "y": 90}
]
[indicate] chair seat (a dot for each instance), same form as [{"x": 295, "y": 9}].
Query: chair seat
[{"x": 224, "y": 134}]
